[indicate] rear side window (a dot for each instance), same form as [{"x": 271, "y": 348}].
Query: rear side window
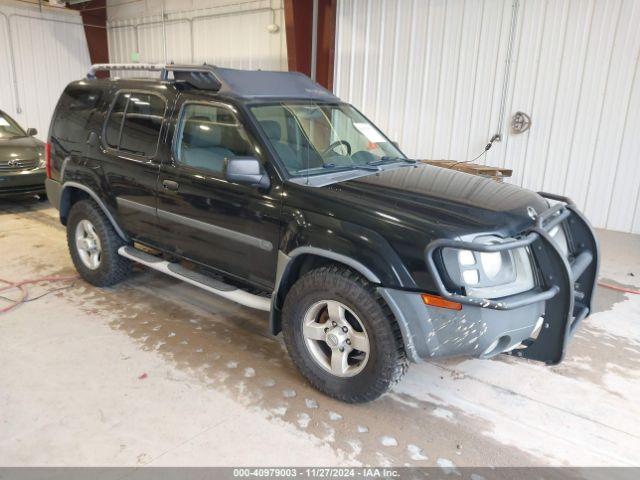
[
  {"x": 75, "y": 108},
  {"x": 207, "y": 135},
  {"x": 134, "y": 123}
]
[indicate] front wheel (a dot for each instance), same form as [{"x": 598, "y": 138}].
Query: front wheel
[{"x": 341, "y": 335}]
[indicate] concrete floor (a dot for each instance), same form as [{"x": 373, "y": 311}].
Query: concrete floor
[{"x": 219, "y": 390}]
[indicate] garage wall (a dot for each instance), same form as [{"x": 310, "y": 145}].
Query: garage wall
[
  {"x": 430, "y": 73},
  {"x": 49, "y": 51},
  {"x": 220, "y": 32}
]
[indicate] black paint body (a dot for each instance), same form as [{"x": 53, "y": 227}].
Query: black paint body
[{"x": 384, "y": 221}]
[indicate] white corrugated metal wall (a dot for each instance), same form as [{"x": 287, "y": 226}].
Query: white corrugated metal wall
[
  {"x": 430, "y": 73},
  {"x": 41, "y": 51},
  {"x": 229, "y": 34}
]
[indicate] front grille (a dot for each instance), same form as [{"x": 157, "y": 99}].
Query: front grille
[{"x": 18, "y": 165}]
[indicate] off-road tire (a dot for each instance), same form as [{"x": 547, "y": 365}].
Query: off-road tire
[
  {"x": 113, "y": 268},
  {"x": 387, "y": 362}
]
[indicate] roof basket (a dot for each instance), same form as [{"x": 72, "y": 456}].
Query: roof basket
[{"x": 199, "y": 76}]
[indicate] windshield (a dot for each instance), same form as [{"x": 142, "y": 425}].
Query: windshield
[
  {"x": 9, "y": 128},
  {"x": 312, "y": 138}
]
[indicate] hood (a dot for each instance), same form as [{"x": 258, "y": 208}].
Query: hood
[
  {"x": 408, "y": 207},
  {"x": 23, "y": 148},
  {"x": 443, "y": 202}
]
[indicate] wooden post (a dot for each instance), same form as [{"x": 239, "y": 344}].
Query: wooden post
[
  {"x": 298, "y": 24},
  {"x": 95, "y": 13}
]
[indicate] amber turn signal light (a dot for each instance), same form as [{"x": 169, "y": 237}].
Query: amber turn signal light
[{"x": 436, "y": 301}]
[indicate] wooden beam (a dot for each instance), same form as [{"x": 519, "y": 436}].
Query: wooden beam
[
  {"x": 94, "y": 17},
  {"x": 299, "y": 27},
  {"x": 297, "y": 19},
  {"x": 326, "y": 42}
]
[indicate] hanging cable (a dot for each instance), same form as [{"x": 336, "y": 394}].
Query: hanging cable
[{"x": 495, "y": 138}]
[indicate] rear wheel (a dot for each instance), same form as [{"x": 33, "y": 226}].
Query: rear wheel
[
  {"x": 342, "y": 336},
  {"x": 93, "y": 244}
]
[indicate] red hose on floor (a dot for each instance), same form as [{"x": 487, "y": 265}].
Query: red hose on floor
[
  {"x": 24, "y": 292},
  {"x": 619, "y": 289}
]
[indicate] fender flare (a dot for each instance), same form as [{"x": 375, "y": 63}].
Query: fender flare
[
  {"x": 338, "y": 257},
  {"x": 94, "y": 196},
  {"x": 285, "y": 261}
]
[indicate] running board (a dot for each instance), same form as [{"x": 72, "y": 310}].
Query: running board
[{"x": 197, "y": 279}]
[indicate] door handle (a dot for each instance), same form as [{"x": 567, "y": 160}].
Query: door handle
[{"x": 170, "y": 185}]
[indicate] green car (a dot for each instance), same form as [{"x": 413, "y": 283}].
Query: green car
[{"x": 22, "y": 165}]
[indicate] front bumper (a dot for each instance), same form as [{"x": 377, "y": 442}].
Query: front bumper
[
  {"x": 29, "y": 182},
  {"x": 536, "y": 324}
]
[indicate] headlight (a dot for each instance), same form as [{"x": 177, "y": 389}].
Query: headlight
[
  {"x": 491, "y": 263},
  {"x": 41, "y": 160},
  {"x": 490, "y": 274}
]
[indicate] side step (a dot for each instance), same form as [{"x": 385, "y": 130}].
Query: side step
[{"x": 194, "y": 278}]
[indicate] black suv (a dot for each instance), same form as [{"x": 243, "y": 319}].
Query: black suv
[{"x": 283, "y": 198}]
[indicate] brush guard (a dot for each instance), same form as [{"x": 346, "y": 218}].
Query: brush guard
[{"x": 566, "y": 283}]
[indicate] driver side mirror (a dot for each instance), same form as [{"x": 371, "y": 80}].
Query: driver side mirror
[
  {"x": 246, "y": 171},
  {"x": 32, "y": 132}
]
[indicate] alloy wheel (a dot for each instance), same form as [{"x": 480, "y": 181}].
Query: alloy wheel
[
  {"x": 88, "y": 244},
  {"x": 336, "y": 338}
]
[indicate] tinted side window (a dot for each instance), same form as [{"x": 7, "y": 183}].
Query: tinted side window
[
  {"x": 74, "y": 110},
  {"x": 142, "y": 114},
  {"x": 208, "y": 134},
  {"x": 142, "y": 123}
]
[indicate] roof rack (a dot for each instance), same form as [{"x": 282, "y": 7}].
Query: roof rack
[{"x": 199, "y": 76}]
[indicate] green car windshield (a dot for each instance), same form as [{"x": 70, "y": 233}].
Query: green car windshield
[
  {"x": 316, "y": 138},
  {"x": 9, "y": 128}
]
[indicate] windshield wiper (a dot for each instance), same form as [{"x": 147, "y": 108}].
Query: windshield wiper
[
  {"x": 386, "y": 159},
  {"x": 367, "y": 167},
  {"x": 370, "y": 168}
]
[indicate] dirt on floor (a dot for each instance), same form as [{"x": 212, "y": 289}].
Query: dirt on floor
[{"x": 155, "y": 371}]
